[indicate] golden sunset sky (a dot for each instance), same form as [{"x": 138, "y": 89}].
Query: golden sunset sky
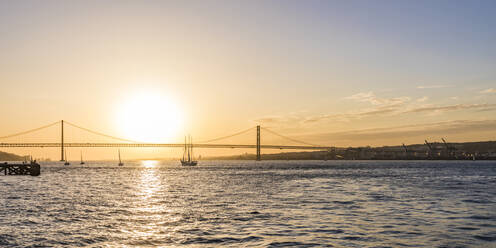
[{"x": 337, "y": 73}]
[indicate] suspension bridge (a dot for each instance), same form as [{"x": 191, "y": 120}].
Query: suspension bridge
[{"x": 131, "y": 143}]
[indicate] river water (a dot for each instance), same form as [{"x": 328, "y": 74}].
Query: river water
[{"x": 247, "y": 203}]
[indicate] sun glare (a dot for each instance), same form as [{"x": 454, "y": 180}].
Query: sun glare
[
  {"x": 149, "y": 163},
  {"x": 149, "y": 117}
]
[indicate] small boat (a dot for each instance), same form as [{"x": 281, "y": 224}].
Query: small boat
[
  {"x": 187, "y": 160},
  {"x": 120, "y": 162},
  {"x": 66, "y": 162},
  {"x": 82, "y": 162}
]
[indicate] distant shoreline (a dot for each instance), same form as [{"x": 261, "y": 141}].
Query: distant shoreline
[{"x": 483, "y": 150}]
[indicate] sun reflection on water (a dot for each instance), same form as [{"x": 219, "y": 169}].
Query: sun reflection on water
[
  {"x": 150, "y": 181},
  {"x": 150, "y": 208},
  {"x": 149, "y": 163}
]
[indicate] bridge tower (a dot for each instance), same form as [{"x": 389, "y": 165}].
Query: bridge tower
[
  {"x": 258, "y": 143},
  {"x": 62, "y": 140}
]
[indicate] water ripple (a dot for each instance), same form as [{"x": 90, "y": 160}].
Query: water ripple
[{"x": 268, "y": 204}]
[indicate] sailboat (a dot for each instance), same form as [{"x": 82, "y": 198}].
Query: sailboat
[
  {"x": 66, "y": 162},
  {"x": 187, "y": 160},
  {"x": 120, "y": 162},
  {"x": 82, "y": 162}
]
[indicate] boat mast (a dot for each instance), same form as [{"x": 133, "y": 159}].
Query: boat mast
[
  {"x": 189, "y": 155},
  {"x": 184, "y": 152},
  {"x": 191, "y": 142}
]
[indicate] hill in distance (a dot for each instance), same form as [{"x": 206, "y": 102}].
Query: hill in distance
[{"x": 5, "y": 156}]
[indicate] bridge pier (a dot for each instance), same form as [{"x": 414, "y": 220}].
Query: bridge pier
[
  {"x": 62, "y": 141},
  {"x": 258, "y": 143}
]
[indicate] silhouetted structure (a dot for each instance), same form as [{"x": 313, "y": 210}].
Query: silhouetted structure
[
  {"x": 62, "y": 141},
  {"x": 187, "y": 159},
  {"x": 129, "y": 143},
  {"x": 433, "y": 150},
  {"x": 258, "y": 143},
  {"x": 31, "y": 168}
]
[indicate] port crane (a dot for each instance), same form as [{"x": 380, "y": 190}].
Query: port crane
[
  {"x": 431, "y": 150},
  {"x": 449, "y": 149}
]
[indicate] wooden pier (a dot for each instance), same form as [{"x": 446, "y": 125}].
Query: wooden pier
[{"x": 31, "y": 168}]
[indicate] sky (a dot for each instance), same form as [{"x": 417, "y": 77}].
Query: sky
[{"x": 337, "y": 73}]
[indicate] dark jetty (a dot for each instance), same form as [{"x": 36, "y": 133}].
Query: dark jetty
[{"x": 31, "y": 168}]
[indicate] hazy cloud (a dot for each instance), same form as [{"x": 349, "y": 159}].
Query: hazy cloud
[
  {"x": 403, "y": 132},
  {"x": 423, "y": 99},
  {"x": 373, "y": 99},
  {"x": 489, "y": 91},
  {"x": 342, "y": 117},
  {"x": 450, "y": 108},
  {"x": 273, "y": 119},
  {"x": 436, "y": 86},
  {"x": 382, "y": 107},
  {"x": 387, "y": 110},
  {"x": 379, "y": 111},
  {"x": 278, "y": 120}
]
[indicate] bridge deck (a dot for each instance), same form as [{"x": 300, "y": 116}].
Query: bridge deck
[{"x": 161, "y": 145}]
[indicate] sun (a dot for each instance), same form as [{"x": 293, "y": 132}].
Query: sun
[{"x": 149, "y": 117}]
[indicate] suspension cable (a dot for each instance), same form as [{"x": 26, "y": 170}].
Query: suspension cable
[
  {"x": 101, "y": 134},
  {"x": 29, "y": 131},
  {"x": 133, "y": 141},
  {"x": 228, "y": 136},
  {"x": 288, "y": 138}
]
